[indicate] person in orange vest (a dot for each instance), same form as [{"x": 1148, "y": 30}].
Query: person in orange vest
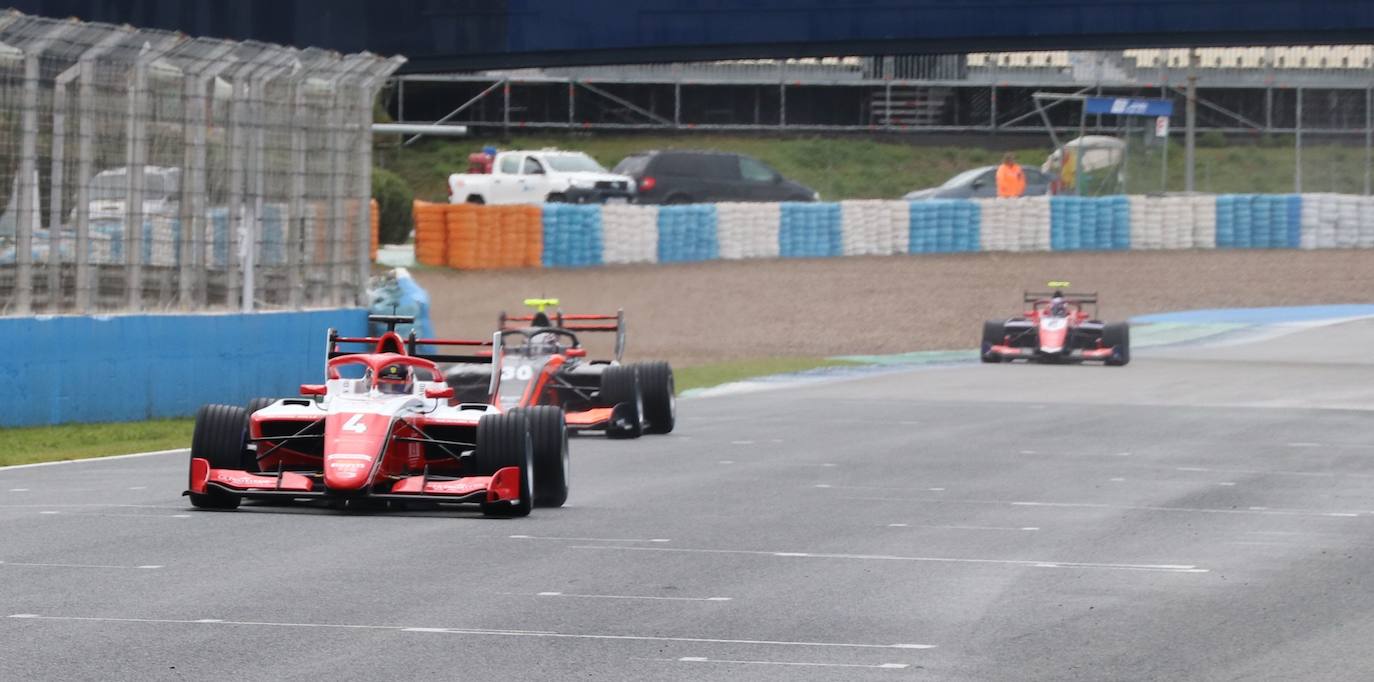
[{"x": 1011, "y": 181}]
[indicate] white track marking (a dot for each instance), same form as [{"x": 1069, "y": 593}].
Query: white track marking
[
  {"x": 480, "y": 632},
  {"x": 93, "y": 459},
  {"x": 19, "y": 490},
  {"x": 118, "y": 516},
  {"x": 1100, "y": 505},
  {"x": 727, "y": 461},
  {"x": 545, "y": 537},
  {"x": 741, "y": 442},
  {"x": 1259, "y": 472},
  {"x": 1304, "y": 444},
  {"x": 1028, "y": 452},
  {"x": 27, "y": 564},
  {"x": 1118, "y": 479},
  {"x": 623, "y": 596},
  {"x": 918, "y": 525},
  {"x": 699, "y": 659},
  {"x": 1166, "y": 568},
  {"x": 138, "y": 487}
]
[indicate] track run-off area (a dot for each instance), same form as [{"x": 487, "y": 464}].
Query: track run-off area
[{"x": 1205, "y": 513}]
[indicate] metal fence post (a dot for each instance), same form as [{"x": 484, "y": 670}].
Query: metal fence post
[
  {"x": 86, "y": 95},
  {"x": 137, "y": 157},
  {"x": 338, "y": 149},
  {"x": 257, "y": 170},
  {"x": 368, "y": 87},
  {"x": 191, "y": 282},
  {"x": 28, "y": 211},
  {"x": 1297, "y": 147}
]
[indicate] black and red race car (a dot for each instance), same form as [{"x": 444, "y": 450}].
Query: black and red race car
[
  {"x": 1057, "y": 328},
  {"x": 545, "y": 363},
  {"x": 383, "y": 430}
]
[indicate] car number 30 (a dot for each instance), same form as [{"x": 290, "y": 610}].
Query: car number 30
[{"x": 521, "y": 373}]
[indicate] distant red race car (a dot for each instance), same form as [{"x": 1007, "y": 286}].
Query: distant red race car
[
  {"x": 382, "y": 430},
  {"x": 1057, "y": 328},
  {"x": 545, "y": 364}
]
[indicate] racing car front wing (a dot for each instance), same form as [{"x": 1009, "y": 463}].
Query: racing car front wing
[
  {"x": 504, "y": 485},
  {"x": 1021, "y": 353}
]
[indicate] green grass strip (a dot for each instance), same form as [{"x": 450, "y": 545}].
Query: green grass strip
[{"x": 31, "y": 444}]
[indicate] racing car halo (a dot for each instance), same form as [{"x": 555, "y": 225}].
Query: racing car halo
[
  {"x": 545, "y": 364},
  {"x": 1057, "y": 328},
  {"x": 383, "y": 428}
]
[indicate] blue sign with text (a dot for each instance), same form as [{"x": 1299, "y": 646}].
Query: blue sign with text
[{"x": 1128, "y": 106}]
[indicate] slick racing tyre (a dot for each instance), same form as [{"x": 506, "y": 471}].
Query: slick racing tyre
[
  {"x": 503, "y": 440},
  {"x": 620, "y": 389},
  {"x": 549, "y": 434},
  {"x": 220, "y": 437},
  {"x": 660, "y": 401},
  {"x": 257, "y": 404},
  {"x": 993, "y": 334},
  {"x": 1118, "y": 337}
]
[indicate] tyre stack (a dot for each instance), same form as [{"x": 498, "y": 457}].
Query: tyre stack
[
  {"x": 748, "y": 230},
  {"x": 687, "y": 233},
  {"x": 874, "y": 228},
  {"x": 629, "y": 234},
  {"x": 376, "y": 223},
  {"x": 431, "y": 233},
  {"x": 572, "y": 235},
  {"x": 810, "y": 230}
]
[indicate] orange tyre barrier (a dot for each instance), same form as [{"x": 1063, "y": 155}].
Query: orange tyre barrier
[
  {"x": 489, "y": 237},
  {"x": 376, "y": 228},
  {"x": 431, "y": 233}
]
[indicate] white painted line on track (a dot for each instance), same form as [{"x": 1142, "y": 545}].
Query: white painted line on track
[
  {"x": 106, "y": 515},
  {"x": 942, "y": 527},
  {"x": 1164, "y": 568},
  {"x": 623, "y": 596},
  {"x": 741, "y": 442},
  {"x": 19, "y": 490},
  {"x": 479, "y": 632},
  {"x": 727, "y": 461},
  {"x": 1304, "y": 444},
  {"x": 1128, "y": 507},
  {"x": 546, "y": 537},
  {"x": 699, "y": 659},
  {"x": 26, "y": 564},
  {"x": 87, "y": 460},
  {"x": 1259, "y": 472}
]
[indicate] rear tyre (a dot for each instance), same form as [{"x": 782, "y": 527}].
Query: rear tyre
[
  {"x": 1117, "y": 336},
  {"x": 993, "y": 334},
  {"x": 476, "y": 199},
  {"x": 503, "y": 440},
  {"x": 549, "y": 435},
  {"x": 660, "y": 399},
  {"x": 620, "y": 389},
  {"x": 221, "y": 437}
]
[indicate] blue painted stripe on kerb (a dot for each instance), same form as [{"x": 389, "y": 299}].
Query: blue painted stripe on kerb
[
  {"x": 810, "y": 230},
  {"x": 687, "y": 233},
  {"x": 1272, "y": 315},
  {"x": 136, "y": 367}
]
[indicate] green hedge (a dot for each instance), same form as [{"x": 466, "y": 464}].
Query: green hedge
[{"x": 394, "y": 198}]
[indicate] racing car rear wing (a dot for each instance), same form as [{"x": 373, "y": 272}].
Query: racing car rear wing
[
  {"x": 577, "y": 323},
  {"x": 391, "y": 342},
  {"x": 1081, "y": 299}
]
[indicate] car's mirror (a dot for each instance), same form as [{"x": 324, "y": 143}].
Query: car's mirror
[
  {"x": 438, "y": 392},
  {"x": 312, "y": 389},
  {"x": 576, "y": 352}
]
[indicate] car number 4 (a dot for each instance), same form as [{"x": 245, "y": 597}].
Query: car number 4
[{"x": 355, "y": 424}]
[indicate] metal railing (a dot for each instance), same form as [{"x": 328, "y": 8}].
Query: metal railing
[{"x": 148, "y": 170}]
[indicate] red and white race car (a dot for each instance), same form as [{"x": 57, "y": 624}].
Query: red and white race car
[
  {"x": 382, "y": 430},
  {"x": 1057, "y": 328}
]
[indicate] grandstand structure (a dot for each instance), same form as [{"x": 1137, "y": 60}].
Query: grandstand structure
[{"x": 1309, "y": 90}]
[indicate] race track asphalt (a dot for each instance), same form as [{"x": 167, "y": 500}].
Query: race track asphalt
[{"x": 1205, "y": 513}]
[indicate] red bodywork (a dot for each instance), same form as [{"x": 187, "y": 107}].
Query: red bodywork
[
  {"x": 367, "y": 444},
  {"x": 1053, "y": 334},
  {"x": 548, "y": 389}
]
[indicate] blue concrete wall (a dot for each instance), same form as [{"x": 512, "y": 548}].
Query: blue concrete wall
[{"x": 135, "y": 367}]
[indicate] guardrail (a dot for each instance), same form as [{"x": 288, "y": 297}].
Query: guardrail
[{"x": 474, "y": 237}]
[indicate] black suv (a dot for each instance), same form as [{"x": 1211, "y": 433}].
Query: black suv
[{"x": 688, "y": 177}]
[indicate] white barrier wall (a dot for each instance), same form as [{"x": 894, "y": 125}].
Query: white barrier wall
[
  {"x": 1020, "y": 225},
  {"x": 748, "y": 230}
]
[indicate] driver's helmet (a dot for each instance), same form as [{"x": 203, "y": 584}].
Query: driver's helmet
[
  {"x": 395, "y": 380},
  {"x": 1058, "y": 308},
  {"x": 545, "y": 342}
]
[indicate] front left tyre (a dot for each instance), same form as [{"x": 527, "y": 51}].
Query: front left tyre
[
  {"x": 1117, "y": 336},
  {"x": 221, "y": 438},
  {"x": 993, "y": 334},
  {"x": 549, "y": 437},
  {"x": 503, "y": 440},
  {"x": 659, "y": 394}
]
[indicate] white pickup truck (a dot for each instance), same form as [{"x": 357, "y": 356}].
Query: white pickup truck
[{"x": 534, "y": 177}]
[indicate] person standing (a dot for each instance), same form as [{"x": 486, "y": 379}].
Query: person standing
[{"x": 1011, "y": 181}]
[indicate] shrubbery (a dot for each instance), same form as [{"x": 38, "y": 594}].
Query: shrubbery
[{"x": 394, "y": 198}]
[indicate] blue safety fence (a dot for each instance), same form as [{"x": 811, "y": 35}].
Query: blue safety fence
[
  {"x": 572, "y": 236},
  {"x": 810, "y": 231},
  {"x": 132, "y": 367},
  {"x": 944, "y": 226},
  {"x": 1259, "y": 221},
  {"x": 1090, "y": 223},
  {"x": 687, "y": 233}
]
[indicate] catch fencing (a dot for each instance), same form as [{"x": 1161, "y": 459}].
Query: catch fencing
[
  {"x": 564, "y": 235},
  {"x": 144, "y": 170}
]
